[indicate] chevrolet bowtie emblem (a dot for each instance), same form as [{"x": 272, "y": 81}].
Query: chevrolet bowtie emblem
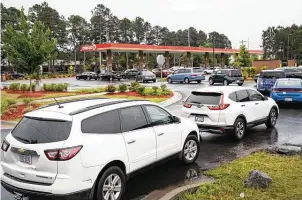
[{"x": 21, "y": 150}]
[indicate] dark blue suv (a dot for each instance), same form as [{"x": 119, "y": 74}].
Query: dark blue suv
[{"x": 267, "y": 79}]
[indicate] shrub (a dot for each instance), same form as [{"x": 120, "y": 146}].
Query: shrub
[
  {"x": 34, "y": 76},
  {"x": 155, "y": 90},
  {"x": 13, "y": 110},
  {"x": 11, "y": 102},
  {"x": 45, "y": 87},
  {"x": 164, "y": 89},
  {"x": 133, "y": 86},
  {"x": 33, "y": 87},
  {"x": 14, "y": 86},
  {"x": 264, "y": 68},
  {"x": 110, "y": 89},
  {"x": 122, "y": 87},
  {"x": 5, "y": 87},
  {"x": 27, "y": 101},
  {"x": 24, "y": 87},
  {"x": 4, "y": 105},
  {"x": 141, "y": 90}
]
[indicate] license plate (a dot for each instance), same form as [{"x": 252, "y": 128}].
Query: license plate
[
  {"x": 199, "y": 118},
  {"x": 288, "y": 99},
  {"x": 25, "y": 159}
]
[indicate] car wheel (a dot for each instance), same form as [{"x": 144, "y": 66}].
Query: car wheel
[
  {"x": 205, "y": 72},
  {"x": 239, "y": 128},
  {"x": 211, "y": 82},
  {"x": 225, "y": 82},
  {"x": 119, "y": 79},
  {"x": 198, "y": 81},
  {"x": 170, "y": 80},
  {"x": 186, "y": 80},
  {"x": 78, "y": 78},
  {"x": 154, "y": 81},
  {"x": 123, "y": 77},
  {"x": 111, "y": 184},
  {"x": 272, "y": 118},
  {"x": 190, "y": 150},
  {"x": 240, "y": 84}
]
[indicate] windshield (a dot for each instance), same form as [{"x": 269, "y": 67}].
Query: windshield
[
  {"x": 36, "y": 130},
  {"x": 272, "y": 74},
  {"x": 289, "y": 84},
  {"x": 204, "y": 98}
]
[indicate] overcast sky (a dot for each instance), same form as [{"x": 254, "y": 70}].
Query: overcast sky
[{"x": 237, "y": 19}]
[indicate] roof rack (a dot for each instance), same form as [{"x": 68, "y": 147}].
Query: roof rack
[{"x": 101, "y": 105}]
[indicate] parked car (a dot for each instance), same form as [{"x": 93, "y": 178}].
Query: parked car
[
  {"x": 111, "y": 76},
  {"x": 256, "y": 77},
  {"x": 16, "y": 75},
  {"x": 130, "y": 74},
  {"x": 229, "y": 110},
  {"x": 208, "y": 70},
  {"x": 267, "y": 79},
  {"x": 87, "y": 76},
  {"x": 227, "y": 76},
  {"x": 291, "y": 72},
  {"x": 287, "y": 90},
  {"x": 157, "y": 72},
  {"x": 89, "y": 148},
  {"x": 146, "y": 76},
  {"x": 187, "y": 75}
]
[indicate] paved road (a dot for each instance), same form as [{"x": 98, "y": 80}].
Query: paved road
[{"x": 215, "y": 150}]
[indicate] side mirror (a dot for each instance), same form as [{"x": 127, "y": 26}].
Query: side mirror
[
  {"x": 176, "y": 119},
  {"x": 265, "y": 98}
]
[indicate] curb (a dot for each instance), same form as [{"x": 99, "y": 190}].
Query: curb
[
  {"x": 176, "y": 97},
  {"x": 174, "y": 194}
]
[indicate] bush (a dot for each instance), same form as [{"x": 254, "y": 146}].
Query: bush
[
  {"x": 24, "y": 87},
  {"x": 12, "y": 110},
  {"x": 133, "y": 86},
  {"x": 155, "y": 90},
  {"x": 4, "y": 105},
  {"x": 34, "y": 76},
  {"x": 27, "y": 101},
  {"x": 14, "y": 86},
  {"x": 110, "y": 89},
  {"x": 122, "y": 87},
  {"x": 264, "y": 68},
  {"x": 141, "y": 90},
  {"x": 33, "y": 87},
  {"x": 11, "y": 102},
  {"x": 5, "y": 87},
  {"x": 164, "y": 89}
]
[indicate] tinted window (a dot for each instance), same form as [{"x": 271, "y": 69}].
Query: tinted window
[
  {"x": 158, "y": 115},
  {"x": 108, "y": 122},
  {"x": 197, "y": 70},
  {"x": 181, "y": 71},
  {"x": 204, "y": 98},
  {"x": 290, "y": 70},
  {"x": 224, "y": 71},
  {"x": 187, "y": 70},
  {"x": 272, "y": 74},
  {"x": 235, "y": 73},
  {"x": 289, "y": 84},
  {"x": 35, "y": 131},
  {"x": 242, "y": 96},
  {"x": 255, "y": 96},
  {"x": 233, "y": 96},
  {"x": 133, "y": 118}
]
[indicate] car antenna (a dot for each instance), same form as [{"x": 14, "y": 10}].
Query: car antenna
[{"x": 58, "y": 103}]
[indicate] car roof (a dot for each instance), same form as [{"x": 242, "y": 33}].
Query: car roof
[
  {"x": 222, "y": 89},
  {"x": 289, "y": 79},
  {"x": 271, "y": 70}
]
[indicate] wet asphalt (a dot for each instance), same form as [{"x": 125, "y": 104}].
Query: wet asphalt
[{"x": 215, "y": 150}]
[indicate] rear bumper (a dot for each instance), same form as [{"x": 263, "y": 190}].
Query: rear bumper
[
  {"x": 197, "y": 78},
  {"x": 81, "y": 195},
  {"x": 215, "y": 129},
  {"x": 282, "y": 99}
]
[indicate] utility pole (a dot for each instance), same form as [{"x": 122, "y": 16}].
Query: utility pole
[
  {"x": 288, "y": 47},
  {"x": 213, "y": 43},
  {"x": 100, "y": 53},
  {"x": 242, "y": 42},
  {"x": 189, "y": 37},
  {"x": 248, "y": 44}
]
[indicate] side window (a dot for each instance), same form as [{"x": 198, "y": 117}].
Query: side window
[
  {"x": 187, "y": 71},
  {"x": 233, "y": 96},
  {"x": 219, "y": 72},
  {"x": 242, "y": 96},
  {"x": 158, "y": 115},
  {"x": 108, "y": 122},
  {"x": 181, "y": 71},
  {"x": 255, "y": 96},
  {"x": 133, "y": 118}
]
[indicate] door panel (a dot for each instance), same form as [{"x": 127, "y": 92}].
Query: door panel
[
  {"x": 246, "y": 105},
  {"x": 259, "y": 105}
]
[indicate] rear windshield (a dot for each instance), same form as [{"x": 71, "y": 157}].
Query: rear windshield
[
  {"x": 197, "y": 70},
  {"x": 272, "y": 74},
  {"x": 235, "y": 73},
  {"x": 36, "y": 130},
  {"x": 204, "y": 98},
  {"x": 289, "y": 84}
]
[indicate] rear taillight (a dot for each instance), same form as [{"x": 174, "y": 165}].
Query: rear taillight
[
  {"x": 221, "y": 106},
  {"x": 62, "y": 154},
  {"x": 5, "y": 145},
  {"x": 194, "y": 75},
  {"x": 187, "y": 105}
]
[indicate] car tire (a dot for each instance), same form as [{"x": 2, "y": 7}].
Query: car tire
[
  {"x": 239, "y": 128},
  {"x": 198, "y": 81},
  {"x": 205, "y": 73},
  {"x": 225, "y": 82},
  {"x": 78, "y": 78},
  {"x": 211, "y": 82},
  {"x": 154, "y": 81},
  {"x": 170, "y": 80},
  {"x": 240, "y": 84},
  {"x": 105, "y": 188},
  {"x": 186, "y": 80},
  {"x": 272, "y": 118},
  {"x": 119, "y": 79},
  {"x": 190, "y": 150}
]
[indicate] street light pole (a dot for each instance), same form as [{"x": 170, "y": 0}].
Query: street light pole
[
  {"x": 213, "y": 43},
  {"x": 288, "y": 47},
  {"x": 100, "y": 53},
  {"x": 189, "y": 37}
]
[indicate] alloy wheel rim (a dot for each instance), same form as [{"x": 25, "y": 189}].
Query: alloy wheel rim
[
  {"x": 240, "y": 129},
  {"x": 211, "y": 81},
  {"x": 190, "y": 150},
  {"x": 273, "y": 117},
  {"x": 112, "y": 187},
  {"x": 225, "y": 83}
]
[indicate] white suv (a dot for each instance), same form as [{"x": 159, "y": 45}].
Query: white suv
[
  {"x": 87, "y": 149},
  {"x": 230, "y": 109}
]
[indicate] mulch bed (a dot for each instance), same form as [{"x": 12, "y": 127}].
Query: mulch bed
[
  {"x": 16, "y": 111},
  {"x": 135, "y": 94},
  {"x": 28, "y": 94}
]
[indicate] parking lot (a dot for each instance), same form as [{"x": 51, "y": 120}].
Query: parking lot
[{"x": 215, "y": 149}]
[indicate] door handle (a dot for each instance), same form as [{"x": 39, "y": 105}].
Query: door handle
[
  {"x": 160, "y": 134},
  {"x": 242, "y": 105},
  {"x": 131, "y": 141}
]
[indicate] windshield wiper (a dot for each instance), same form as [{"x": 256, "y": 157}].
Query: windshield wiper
[{"x": 22, "y": 139}]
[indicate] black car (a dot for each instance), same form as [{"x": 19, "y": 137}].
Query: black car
[
  {"x": 227, "y": 76},
  {"x": 87, "y": 76},
  {"x": 16, "y": 75},
  {"x": 111, "y": 76},
  {"x": 146, "y": 76},
  {"x": 130, "y": 74},
  {"x": 291, "y": 72}
]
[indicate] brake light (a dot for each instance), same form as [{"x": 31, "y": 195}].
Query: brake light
[
  {"x": 221, "y": 106},
  {"x": 5, "y": 145},
  {"x": 62, "y": 154},
  {"x": 187, "y": 105},
  {"x": 194, "y": 75}
]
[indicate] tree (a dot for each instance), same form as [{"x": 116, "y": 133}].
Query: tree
[
  {"x": 29, "y": 47},
  {"x": 243, "y": 59}
]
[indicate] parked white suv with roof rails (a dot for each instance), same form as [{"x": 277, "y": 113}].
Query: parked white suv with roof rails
[
  {"x": 230, "y": 109},
  {"x": 87, "y": 149}
]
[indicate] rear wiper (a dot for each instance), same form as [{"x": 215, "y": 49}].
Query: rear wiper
[{"x": 22, "y": 139}]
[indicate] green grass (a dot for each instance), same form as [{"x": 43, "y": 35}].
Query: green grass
[
  {"x": 90, "y": 90},
  {"x": 286, "y": 173}
]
